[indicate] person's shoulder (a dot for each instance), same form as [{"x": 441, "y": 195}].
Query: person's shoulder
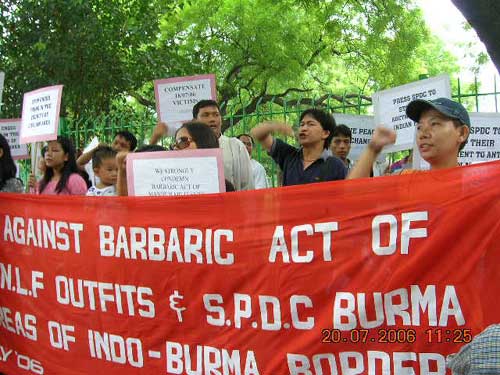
[
  {"x": 336, "y": 167},
  {"x": 232, "y": 141},
  {"x": 335, "y": 161},
  {"x": 256, "y": 164},
  {"x": 76, "y": 184},
  {"x": 75, "y": 178},
  {"x": 13, "y": 185}
]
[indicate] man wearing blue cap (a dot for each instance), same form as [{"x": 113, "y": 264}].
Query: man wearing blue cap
[{"x": 442, "y": 131}]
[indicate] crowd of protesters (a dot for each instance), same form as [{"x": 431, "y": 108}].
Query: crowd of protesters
[
  {"x": 323, "y": 153},
  {"x": 442, "y": 131}
]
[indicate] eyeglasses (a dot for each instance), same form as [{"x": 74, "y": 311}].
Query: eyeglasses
[{"x": 181, "y": 143}]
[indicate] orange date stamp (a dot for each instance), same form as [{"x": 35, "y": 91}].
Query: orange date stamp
[{"x": 396, "y": 335}]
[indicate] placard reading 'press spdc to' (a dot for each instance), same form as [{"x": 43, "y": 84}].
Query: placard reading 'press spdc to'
[
  {"x": 40, "y": 119},
  {"x": 175, "y": 98},
  {"x": 390, "y": 107}
]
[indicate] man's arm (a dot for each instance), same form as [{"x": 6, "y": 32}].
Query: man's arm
[
  {"x": 121, "y": 181},
  {"x": 159, "y": 131},
  {"x": 85, "y": 158},
  {"x": 381, "y": 137},
  {"x": 263, "y": 132}
]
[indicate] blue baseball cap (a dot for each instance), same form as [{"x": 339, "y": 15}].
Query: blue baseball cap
[{"x": 444, "y": 106}]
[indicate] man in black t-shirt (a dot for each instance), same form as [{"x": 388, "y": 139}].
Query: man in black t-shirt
[{"x": 309, "y": 163}]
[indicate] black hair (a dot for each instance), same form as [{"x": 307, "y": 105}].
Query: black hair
[
  {"x": 202, "y": 135},
  {"x": 202, "y": 104},
  {"x": 7, "y": 167},
  {"x": 68, "y": 169},
  {"x": 101, "y": 153},
  {"x": 151, "y": 148},
  {"x": 83, "y": 173},
  {"x": 43, "y": 151},
  {"x": 343, "y": 130},
  {"x": 246, "y": 135},
  {"x": 129, "y": 137},
  {"x": 325, "y": 119},
  {"x": 458, "y": 124}
]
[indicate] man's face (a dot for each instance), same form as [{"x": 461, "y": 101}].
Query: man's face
[
  {"x": 211, "y": 116},
  {"x": 341, "y": 145},
  {"x": 247, "y": 141},
  {"x": 120, "y": 144},
  {"x": 311, "y": 132}
]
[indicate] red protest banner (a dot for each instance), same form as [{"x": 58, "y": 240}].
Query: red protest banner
[{"x": 385, "y": 275}]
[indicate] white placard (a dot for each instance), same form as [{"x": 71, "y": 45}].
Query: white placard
[
  {"x": 40, "y": 119},
  {"x": 390, "y": 107},
  {"x": 173, "y": 173},
  {"x": 175, "y": 98},
  {"x": 2, "y": 78},
  {"x": 93, "y": 144},
  {"x": 484, "y": 139},
  {"x": 9, "y": 128},
  {"x": 361, "y": 128}
]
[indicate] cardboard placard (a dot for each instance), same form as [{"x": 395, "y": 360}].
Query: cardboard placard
[
  {"x": 390, "y": 107},
  {"x": 40, "y": 119},
  {"x": 170, "y": 173},
  {"x": 9, "y": 128},
  {"x": 175, "y": 98}
]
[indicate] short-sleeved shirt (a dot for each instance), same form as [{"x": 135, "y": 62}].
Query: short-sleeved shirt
[
  {"x": 108, "y": 191},
  {"x": 74, "y": 186},
  {"x": 290, "y": 160}
]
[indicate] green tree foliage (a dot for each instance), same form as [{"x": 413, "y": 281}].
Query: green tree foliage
[
  {"x": 108, "y": 51},
  {"x": 98, "y": 49}
]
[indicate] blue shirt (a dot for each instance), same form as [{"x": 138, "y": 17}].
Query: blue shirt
[{"x": 291, "y": 162}]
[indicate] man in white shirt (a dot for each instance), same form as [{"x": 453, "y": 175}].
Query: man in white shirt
[
  {"x": 259, "y": 173},
  {"x": 237, "y": 166}
]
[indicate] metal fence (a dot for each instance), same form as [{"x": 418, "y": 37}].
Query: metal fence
[{"x": 238, "y": 121}]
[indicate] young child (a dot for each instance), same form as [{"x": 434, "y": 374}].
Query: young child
[{"x": 106, "y": 168}]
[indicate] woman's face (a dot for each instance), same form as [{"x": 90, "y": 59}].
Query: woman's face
[
  {"x": 55, "y": 157},
  {"x": 183, "y": 140}
]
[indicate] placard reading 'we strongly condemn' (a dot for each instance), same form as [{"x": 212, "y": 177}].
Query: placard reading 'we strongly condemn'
[
  {"x": 254, "y": 282},
  {"x": 186, "y": 172},
  {"x": 40, "y": 119},
  {"x": 175, "y": 98},
  {"x": 390, "y": 107},
  {"x": 9, "y": 128}
]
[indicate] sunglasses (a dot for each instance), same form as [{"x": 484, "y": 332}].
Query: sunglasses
[{"x": 181, "y": 143}]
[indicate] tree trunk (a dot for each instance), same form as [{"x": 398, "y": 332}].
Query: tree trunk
[{"x": 484, "y": 17}]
